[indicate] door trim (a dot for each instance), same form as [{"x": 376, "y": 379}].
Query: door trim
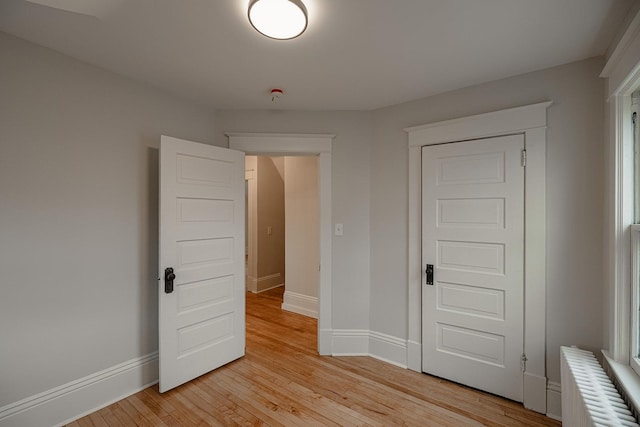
[
  {"x": 530, "y": 120},
  {"x": 268, "y": 144}
]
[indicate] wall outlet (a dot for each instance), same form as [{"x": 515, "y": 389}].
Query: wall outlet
[{"x": 339, "y": 230}]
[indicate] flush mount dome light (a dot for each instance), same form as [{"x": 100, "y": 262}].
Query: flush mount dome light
[{"x": 278, "y": 19}]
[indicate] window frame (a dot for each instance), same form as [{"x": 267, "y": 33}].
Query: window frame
[
  {"x": 622, "y": 72},
  {"x": 634, "y": 339},
  {"x": 634, "y": 230}
]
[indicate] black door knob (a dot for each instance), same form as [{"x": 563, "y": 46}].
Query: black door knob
[{"x": 169, "y": 277}]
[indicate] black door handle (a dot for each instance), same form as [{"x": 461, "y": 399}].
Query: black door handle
[
  {"x": 429, "y": 273},
  {"x": 169, "y": 276}
]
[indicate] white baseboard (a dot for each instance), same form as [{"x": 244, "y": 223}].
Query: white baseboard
[
  {"x": 325, "y": 342},
  {"x": 270, "y": 281},
  {"x": 251, "y": 283},
  {"x": 350, "y": 342},
  {"x": 268, "y": 289},
  {"x": 414, "y": 356},
  {"x": 264, "y": 283},
  {"x": 535, "y": 392},
  {"x": 68, "y": 402},
  {"x": 301, "y": 304},
  {"x": 554, "y": 401},
  {"x": 362, "y": 342},
  {"x": 388, "y": 349}
]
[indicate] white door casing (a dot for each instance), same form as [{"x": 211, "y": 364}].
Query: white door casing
[
  {"x": 531, "y": 121},
  {"x": 473, "y": 235},
  {"x": 273, "y": 144},
  {"x": 202, "y": 321}
]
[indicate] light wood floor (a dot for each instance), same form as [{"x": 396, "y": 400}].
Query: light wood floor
[{"x": 283, "y": 382}]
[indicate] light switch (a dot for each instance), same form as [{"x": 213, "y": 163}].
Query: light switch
[
  {"x": 269, "y": 231},
  {"x": 339, "y": 231}
]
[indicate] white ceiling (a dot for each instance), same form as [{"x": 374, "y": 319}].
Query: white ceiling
[{"x": 355, "y": 54}]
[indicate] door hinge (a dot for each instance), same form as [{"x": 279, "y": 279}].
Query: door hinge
[
  {"x": 523, "y": 362},
  {"x": 523, "y": 157}
]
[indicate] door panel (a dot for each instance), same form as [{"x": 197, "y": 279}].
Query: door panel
[
  {"x": 202, "y": 239},
  {"x": 471, "y": 212},
  {"x": 473, "y": 234}
]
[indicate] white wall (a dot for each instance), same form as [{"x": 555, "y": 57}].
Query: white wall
[
  {"x": 350, "y": 192},
  {"x": 574, "y": 197},
  {"x": 302, "y": 222},
  {"x": 78, "y": 215}
]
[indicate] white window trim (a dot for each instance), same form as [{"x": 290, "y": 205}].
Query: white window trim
[
  {"x": 622, "y": 72},
  {"x": 531, "y": 121},
  {"x": 634, "y": 361},
  {"x": 620, "y": 215}
]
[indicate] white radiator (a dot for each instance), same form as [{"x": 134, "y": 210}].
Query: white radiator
[{"x": 589, "y": 398}]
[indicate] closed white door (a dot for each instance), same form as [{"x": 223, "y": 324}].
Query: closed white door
[
  {"x": 473, "y": 236},
  {"x": 201, "y": 311}
]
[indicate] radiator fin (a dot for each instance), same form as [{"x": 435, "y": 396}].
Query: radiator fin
[{"x": 589, "y": 398}]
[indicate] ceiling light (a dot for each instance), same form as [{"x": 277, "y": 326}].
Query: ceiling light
[{"x": 278, "y": 19}]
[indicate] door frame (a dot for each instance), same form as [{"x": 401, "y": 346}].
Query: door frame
[
  {"x": 270, "y": 144},
  {"x": 531, "y": 121},
  {"x": 251, "y": 273}
]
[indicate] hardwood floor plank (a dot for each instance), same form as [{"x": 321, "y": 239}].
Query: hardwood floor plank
[
  {"x": 137, "y": 416},
  {"x": 227, "y": 412},
  {"x": 246, "y": 404},
  {"x": 85, "y": 422},
  {"x": 191, "y": 402},
  {"x": 121, "y": 415},
  {"x": 97, "y": 420},
  {"x": 109, "y": 417},
  {"x": 145, "y": 411},
  {"x": 282, "y": 381},
  {"x": 160, "y": 407},
  {"x": 331, "y": 413},
  {"x": 334, "y": 381},
  {"x": 286, "y": 411}
]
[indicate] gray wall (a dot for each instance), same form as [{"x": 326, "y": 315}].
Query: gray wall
[
  {"x": 574, "y": 197},
  {"x": 302, "y": 225},
  {"x": 78, "y": 215},
  {"x": 350, "y": 193},
  {"x": 270, "y": 214}
]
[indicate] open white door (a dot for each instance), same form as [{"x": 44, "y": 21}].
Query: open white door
[
  {"x": 202, "y": 313},
  {"x": 473, "y": 236}
]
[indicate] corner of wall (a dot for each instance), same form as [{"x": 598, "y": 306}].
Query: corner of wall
[{"x": 362, "y": 342}]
